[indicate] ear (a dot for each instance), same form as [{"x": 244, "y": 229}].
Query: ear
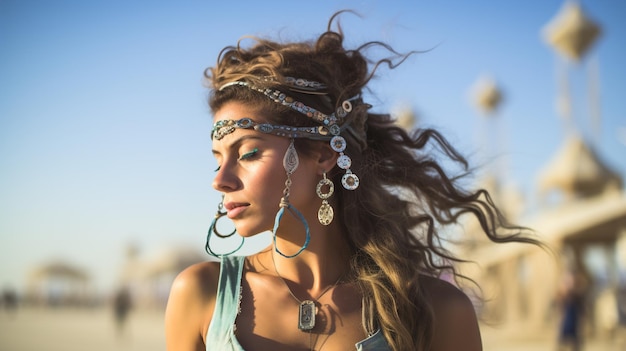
[{"x": 326, "y": 158}]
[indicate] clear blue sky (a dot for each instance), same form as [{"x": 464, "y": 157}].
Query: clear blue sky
[{"x": 104, "y": 128}]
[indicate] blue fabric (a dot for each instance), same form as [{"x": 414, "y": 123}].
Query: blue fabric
[
  {"x": 221, "y": 333},
  {"x": 376, "y": 342}
]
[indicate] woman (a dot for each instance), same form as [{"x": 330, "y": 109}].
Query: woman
[{"x": 353, "y": 203}]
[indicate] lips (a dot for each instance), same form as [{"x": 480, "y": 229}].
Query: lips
[{"x": 233, "y": 209}]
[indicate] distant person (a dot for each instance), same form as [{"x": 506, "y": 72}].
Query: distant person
[
  {"x": 9, "y": 300},
  {"x": 354, "y": 202},
  {"x": 122, "y": 305},
  {"x": 572, "y": 300}
]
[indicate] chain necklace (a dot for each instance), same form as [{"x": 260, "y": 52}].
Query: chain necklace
[{"x": 307, "y": 309}]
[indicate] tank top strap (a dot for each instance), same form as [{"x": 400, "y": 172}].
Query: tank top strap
[{"x": 226, "y": 304}]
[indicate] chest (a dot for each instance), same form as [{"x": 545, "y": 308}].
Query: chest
[{"x": 268, "y": 318}]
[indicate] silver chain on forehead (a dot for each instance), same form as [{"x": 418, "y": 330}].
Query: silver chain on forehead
[
  {"x": 329, "y": 129},
  {"x": 225, "y": 127}
]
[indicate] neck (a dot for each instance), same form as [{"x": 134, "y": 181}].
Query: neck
[{"x": 321, "y": 264}]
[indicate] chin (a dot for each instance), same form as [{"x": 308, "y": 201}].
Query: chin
[{"x": 248, "y": 231}]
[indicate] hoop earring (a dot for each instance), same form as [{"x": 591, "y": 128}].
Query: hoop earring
[
  {"x": 213, "y": 230},
  {"x": 219, "y": 214},
  {"x": 290, "y": 163},
  {"x": 325, "y": 214},
  {"x": 294, "y": 211}
]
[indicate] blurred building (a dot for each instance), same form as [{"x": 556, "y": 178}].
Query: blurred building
[
  {"x": 148, "y": 279},
  {"x": 580, "y": 213},
  {"x": 521, "y": 282},
  {"x": 59, "y": 283}
]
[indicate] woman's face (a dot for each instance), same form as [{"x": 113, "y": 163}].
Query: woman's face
[{"x": 252, "y": 177}]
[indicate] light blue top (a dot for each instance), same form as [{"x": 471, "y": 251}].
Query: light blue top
[{"x": 221, "y": 333}]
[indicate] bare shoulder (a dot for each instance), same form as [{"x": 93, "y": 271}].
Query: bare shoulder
[
  {"x": 455, "y": 322},
  {"x": 190, "y": 306},
  {"x": 199, "y": 279},
  {"x": 441, "y": 293}
]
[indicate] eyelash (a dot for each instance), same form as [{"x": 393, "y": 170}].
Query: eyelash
[
  {"x": 245, "y": 156},
  {"x": 248, "y": 155}
]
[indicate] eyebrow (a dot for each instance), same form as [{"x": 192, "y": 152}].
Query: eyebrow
[{"x": 238, "y": 142}]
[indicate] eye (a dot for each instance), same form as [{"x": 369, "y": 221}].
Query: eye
[
  {"x": 248, "y": 155},
  {"x": 218, "y": 168}
]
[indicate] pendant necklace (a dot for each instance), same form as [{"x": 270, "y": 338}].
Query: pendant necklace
[{"x": 308, "y": 308}]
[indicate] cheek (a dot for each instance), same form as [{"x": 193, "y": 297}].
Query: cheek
[
  {"x": 304, "y": 183},
  {"x": 268, "y": 179}
]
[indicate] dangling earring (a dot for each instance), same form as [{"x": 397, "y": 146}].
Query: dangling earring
[
  {"x": 350, "y": 181},
  {"x": 219, "y": 214},
  {"x": 213, "y": 230},
  {"x": 325, "y": 214},
  {"x": 290, "y": 163}
]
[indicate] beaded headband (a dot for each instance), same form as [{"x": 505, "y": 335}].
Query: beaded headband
[
  {"x": 286, "y": 100},
  {"x": 329, "y": 130}
]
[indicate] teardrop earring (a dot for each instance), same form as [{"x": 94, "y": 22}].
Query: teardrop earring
[{"x": 325, "y": 214}]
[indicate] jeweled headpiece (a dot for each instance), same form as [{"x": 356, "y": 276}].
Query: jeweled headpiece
[{"x": 330, "y": 129}]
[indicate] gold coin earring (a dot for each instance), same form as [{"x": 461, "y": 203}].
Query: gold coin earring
[{"x": 325, "y": 214}]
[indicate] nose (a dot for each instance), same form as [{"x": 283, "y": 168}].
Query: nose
[{"x": 225, "y": 180}]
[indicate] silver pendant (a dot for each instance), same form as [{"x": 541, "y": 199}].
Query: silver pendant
[
  {"x": 291, "y": 161},
  {"x": 306, "y": 318},
  {"x": 350, "y": 181}
]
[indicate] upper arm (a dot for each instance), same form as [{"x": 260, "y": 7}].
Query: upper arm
[
  {"x": 190, "y": 307},
  {"x": 455, "y": 322}
]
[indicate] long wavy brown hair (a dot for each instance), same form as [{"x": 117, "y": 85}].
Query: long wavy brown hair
[{"x": 391, "y": 221}]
